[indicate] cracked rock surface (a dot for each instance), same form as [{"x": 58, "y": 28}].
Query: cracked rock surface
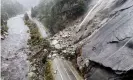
[{"x": 113, "y": 42}]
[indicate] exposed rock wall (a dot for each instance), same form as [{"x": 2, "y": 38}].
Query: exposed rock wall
[{"x": 109, "y": 45}]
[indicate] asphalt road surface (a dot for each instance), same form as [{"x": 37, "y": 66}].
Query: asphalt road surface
[{"x": 63, "y": 70}]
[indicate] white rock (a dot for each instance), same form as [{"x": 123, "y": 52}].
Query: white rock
[
  {"x": 54, "y": 42},
  {"x": 45, "y": 50},
  {"x": 64, "y": 36},
  {"x": 57, "y": 46},
  {"x": 33, "y": 68},
  {"x": 87, "y": 62},
  {"x": 49, "y": 56},
  {"x": 54, "y": 55},
  {"x": 73, "y": 53},
  {"x": 6, "y": 33},
  {"x": 53, "y": 52},
  {"x": 64, "y": 51},
  {"x": 31, "y": 74}
]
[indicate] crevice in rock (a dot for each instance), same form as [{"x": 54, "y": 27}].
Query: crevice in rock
[
  {"x": 123, "y": 38},
  {"x": 125, "y": 8},
  {"x": 111, "y": 42},
  {"x": 118, "y": 11},
  {"x": 119, "y": 40},
  {"x": 94, "y": 67},
  {"x": 130, "y": 45}
]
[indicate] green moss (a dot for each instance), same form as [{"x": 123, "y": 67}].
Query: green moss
[
  {"x": 4, "y": 28},
  {"x": 48, "y": 71}
]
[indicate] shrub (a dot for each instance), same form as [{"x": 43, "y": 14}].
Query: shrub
[{"x": 48, "y": 72}]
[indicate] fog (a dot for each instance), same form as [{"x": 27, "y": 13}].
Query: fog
[{"x": 28, "y": 3}]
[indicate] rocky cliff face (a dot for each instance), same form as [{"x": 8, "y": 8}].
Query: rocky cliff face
[
  {"x": 109, "y": 43},
  {"x": 105, "y": 36}
]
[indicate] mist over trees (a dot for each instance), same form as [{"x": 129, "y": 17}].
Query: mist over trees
[
  {"x": 56, "y": 14},
  {"x": 11, "y": 8}
]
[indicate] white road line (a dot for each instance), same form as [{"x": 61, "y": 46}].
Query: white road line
[
  {"x": 71, "y": 70},
  {"x": 58, "y": 70},
  {"x": 66, "y": 72}
]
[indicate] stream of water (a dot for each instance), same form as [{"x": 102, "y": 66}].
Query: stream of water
[{"x": 15, "y": 65}]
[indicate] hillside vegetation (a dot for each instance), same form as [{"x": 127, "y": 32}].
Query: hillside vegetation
[
  {"x": 11, "y": 8},
  {"x": 56, "y": 14}
]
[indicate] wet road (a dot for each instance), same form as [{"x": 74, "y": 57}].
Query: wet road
[
  {"x": 13, "y": 51},
  {"x": 64, "y": 70}
]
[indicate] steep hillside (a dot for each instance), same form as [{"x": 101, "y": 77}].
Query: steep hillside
[
  {"x": 96, "y": 35},
  {"x": 104, "y": 39},
  {"x": 56, "y": 14}
]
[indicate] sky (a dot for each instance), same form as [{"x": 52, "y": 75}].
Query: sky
[{"x": 28, "y": 3}]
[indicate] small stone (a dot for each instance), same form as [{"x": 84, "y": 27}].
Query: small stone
[
  {"x": 64, "y": 36},
  {"x": 73, "y": 53},
  {"x": 64, "y": 51},
  {"x": 45, "y": 50},
  {"x": 33, "y": 68},
  {"x": 31, "y": 74},
  {"x": 49, "y": 56},
  {"x": 54, "y": 42},
  {"x": 57, "y": 46}
]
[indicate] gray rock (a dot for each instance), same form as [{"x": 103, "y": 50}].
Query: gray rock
[
  {"x": 31, "y": 75},
  {"x": 112, "y": 45},
  {"x": 33, "y": 68}
]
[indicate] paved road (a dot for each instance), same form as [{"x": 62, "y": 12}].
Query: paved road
[
  {"x": 64, "y": 69},
  {"x": 40, "y": 26}
]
